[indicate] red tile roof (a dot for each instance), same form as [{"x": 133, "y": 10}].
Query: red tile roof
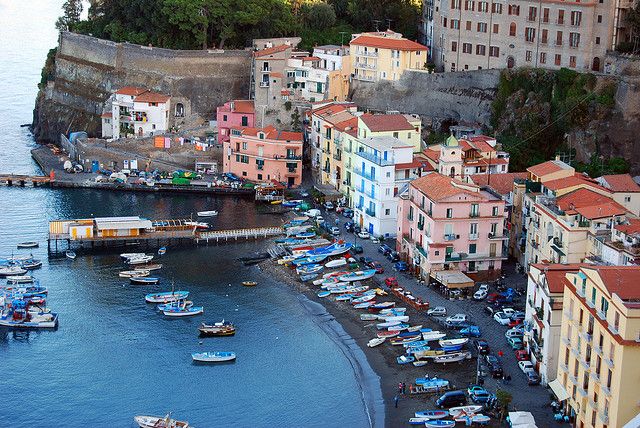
[
  {"x": 332, "y": 108},
  {"x": 311, "y": 58},
  {"x": 272, "y": 133},
  {"x": 417, "y": 162},
  {"x": 477, "y": 143},
  {"x": 351, "y": 123},
  {"x": 388, "y": 43},
  {"x": 438, "y": 187},
  {"x": 555, "y": 274},
  {"x": 432, "y": 154},
  {"x": 131, "y": 90},
  {"x": 581, "y": 198},
  {"x": 575, "y": 180},
  {"x": 243, "y": 106},
  {"x": 106, "y": 115},
  {"x": 547, "y": 167},
  {"x": 386, "y": 122},
  {"x": 501, "y": 183},
  {"x": 621, "y": 280},
  {"x": 621, "y": 183},
  {"x": 151, "y": 97},
  {"x": 271, "y": 51},
  {"x": 629, "y": 229},
  {"x": 608, "y": 209}
]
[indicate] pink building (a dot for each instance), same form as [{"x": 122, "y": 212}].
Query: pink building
[
  {"x": 445, "y": 224},
  {"x": 236, "y": 114},
  {"x": 265, "y": 154}
]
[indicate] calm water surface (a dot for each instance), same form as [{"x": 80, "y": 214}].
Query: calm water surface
[{"x": 114, "y": 356}]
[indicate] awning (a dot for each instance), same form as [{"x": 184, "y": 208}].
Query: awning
[
  {"x": 330, "y": 194},
  {"x": 558, "y": 390},
  {"x": 453, "y": 279},
  {"x": 557, "y": 250}
]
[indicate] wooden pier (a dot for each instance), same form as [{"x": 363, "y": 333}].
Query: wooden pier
[
  {"x": 23, "y": 180},
  {"x": 235, "y": 234}
]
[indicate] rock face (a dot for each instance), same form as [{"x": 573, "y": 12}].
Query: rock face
[{"x": 88, "y": 70}]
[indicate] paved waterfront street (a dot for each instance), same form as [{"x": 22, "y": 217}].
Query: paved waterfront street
[{"x": 535, "y": 399}]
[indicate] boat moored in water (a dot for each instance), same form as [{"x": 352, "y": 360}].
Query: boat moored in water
[
  {"x": 162, "y": 251},
  {"x": 133, "y": 273},
  {"x": 222, "y": 328},
  {"x": 142, "y": 280},
  {"x": 183, "y": 311},
  {"x": 28, "y": 244},
  {"x": 159, "y": 422},
  {"x": 211, "y": 213},
  {"x": 12, "y": 271},
  {"x": 70, "y": 254},
  {"x": 166, "y": 296},
  {"x": 213, "y": 357},
  {"x": 20, "y": 279}
]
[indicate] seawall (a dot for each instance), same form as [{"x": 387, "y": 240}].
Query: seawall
[{"x": 87, "y": 70}]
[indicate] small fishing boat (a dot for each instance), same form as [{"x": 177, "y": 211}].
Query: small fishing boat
[
  {"x": 393, "y": 311},
  {"x": 336, "y": 263},
  {"x": 309, "y": 269},
  {"x": 197, "y": 224},
  {"x": 305, "y": 235},
  {"x": 222, "y": 328},
  {"x": 12, "y": 271},
  {"x": 302, "y": 261},
  {"x": 469, "y": 410},
  {"x": 440, "y": 423},
  {"x": 249, "y": 283},
  {"x": 405, "y": 359},
  {"x": 364, "y": 299},
  {"x": 382, "y": 305},
  {"x": 211, "y": 213},
  {"x": 416, "y": 349},
  {"x": 432, "y": 414},
  {"x": 32, "y": 321},
  {"x": 308, "y": 277},
  {"x": 452, "y": 358},
  {"x": 166, "y": 296},
  {"x": 20, "y": 279},
  {"x": 363, "y": 305},
  {"x": 183, "y": 303},
  {"x": 331, "y": 250},
  {"x": 292, "y": 203},
  {"x": 159, "y": 422},
  {"x": 140, "y": 260},
  {"x": 384, "y": 325},
  {"x": 399, "y": 340},
  {"x": 133, "y": 273},
  {"x": 453, "y": 344},
  {"x": 28, "y": 244},
  {"x": 432, "y": 383},
  {"x": 360, "y": 275},
  {"x": 31, "y": 264},
  {"x": 430, "y": 353},
  {"x": 368, "y": 317},
  {"x": 387, "y": 334},
  {"x": 127, "y": 256},
  {"x": 414, "y": 328},
  {"x": 420, "y": 363},
  {"x": 162, "y": 251},
  {"x": 401, "y": 318},
  {"x": 430, "y": 336},
  {"x": 418, "y": 421},
  {"x": 344, "y": 298},
  {"x": 149, "y": 267},
  {"x": 213, "y": 357},
  {"x": 183, "y": 311},
  {"x": 142, "y": 280},
  {"x": 399, "y": 327},
  {"x": 375, "y": 342},
  {"x": 416, "y": 344}
]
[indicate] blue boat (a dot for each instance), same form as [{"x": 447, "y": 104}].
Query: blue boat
[
  {"x": 432, "y": 414},
  {"x": 324, "y": 293},
  {"x": 344, "y": 297},
  {"x": 433, "y": 383},
  {"x": 305, "y": 235},
  {"x": 405, "y": 359},
  {"x": 144, "y": 280},
  {"x": 308, "y": 260},
  {"x": 166, "y": 296},
  {"x": 162, "y": 251},
  {"x": 308, "y": 277},
  {"x": 440, "y": 423},
  {"x": 309, "y": 269},
  {"x": 414, "y": 349},
  {"x": 331, "y": 250},
  {"x": 416, "y": 344},
  {"x": 292, "y": 203}
]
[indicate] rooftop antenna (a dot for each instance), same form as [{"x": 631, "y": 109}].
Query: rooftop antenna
[
  {"x": 376, "y": 22},
  {"x": 342, "y": 33},
  {"x": 389, "y": 21}
]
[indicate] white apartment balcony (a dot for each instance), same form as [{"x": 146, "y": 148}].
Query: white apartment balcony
[
  {"x": 371, "y": 54},
  {"x": 365, "y": 78},
  {"x": 364, "y": 65},
  {"x": 264, "y": 84}
]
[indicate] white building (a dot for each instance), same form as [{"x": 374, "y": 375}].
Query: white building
[
  {"x": 136, "y": 111},
  {"x": 320, "y": 76},
  {"x": 377, "y": 184}
]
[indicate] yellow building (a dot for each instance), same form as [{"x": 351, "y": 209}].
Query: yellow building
[
  {"x": 405, "y": 127},
  {"x": 598, "y": 370},
  {"x": 385, "y": 55}
]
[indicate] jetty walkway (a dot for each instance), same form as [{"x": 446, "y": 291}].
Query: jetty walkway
[{"x": 235, "y": 234}]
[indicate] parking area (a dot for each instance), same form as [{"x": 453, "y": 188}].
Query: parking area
[{"x": 534, "y": 398}]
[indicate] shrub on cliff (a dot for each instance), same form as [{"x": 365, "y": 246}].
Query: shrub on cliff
[{"x": 48, "y": 73}]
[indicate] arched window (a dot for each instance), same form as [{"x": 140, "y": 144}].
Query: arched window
[
  {"x": 453, "y": 172},
  {"x": 179, "y": 110},
  {"x": 512, "y": 29}
]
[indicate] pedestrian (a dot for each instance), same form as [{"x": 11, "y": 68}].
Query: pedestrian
[
  {"x": 404, "y": 388},
  {"x": 504, "y": 379},
  {"x": 508, "y": 378},
  {"x": 400, "y": 388},
  {"x": 395, "y": 400},
  {"x": 500, "y": 354}
]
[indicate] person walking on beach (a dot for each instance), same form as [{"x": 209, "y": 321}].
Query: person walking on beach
[{"x": 395, "y": 400}]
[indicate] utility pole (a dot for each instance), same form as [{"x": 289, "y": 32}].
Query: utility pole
[
  {"x": 389, "y": 21},
  {"x": 342, "y": 33},
  {"x": 376, "y": 23}
]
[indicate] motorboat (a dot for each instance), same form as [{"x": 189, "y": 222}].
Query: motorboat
[
  {"x": 149, "y": 267},
  {"x": 414, "y": 328},
  {"x": 358, "y": 275},
  {"x": 382, "y": 305},
  {"x": 418, "y": 421},
  {"x": 440, "y": 423},
  {"x": 140, "y": 260},
  {"x": 133, "y": 273},
  {"x": 401, "y": 318},
  {"x": 400, "y": 327},
  {"x": 405, "y": 359},
  {"x": 20, "y": 279},
  {"x": 434, "y": 384},
  {"x": 159, "y": 422},
  {"x": 70, "y": 254},
  {"x": 12, "y": 271},
  {"x": 222, "y": 328},
  {"x": 432, "y": 414},
  {"x": 376, "y": 341},
  {"x": 179, "y": 303},
  {"x": 249, "y": 283},
  {"x": 305, "y": 235},
  {"x": 166, "y": 296},
  {"x": 452, "y": 358},
  {"x": 469, "y": 410},
  {"x": 31, "y": 264},
  {"x": 344, "y": 298},
  {"x": 28, "y": 244},
  {"x": 211, "y": 213},
  {"x": 331, "y": 250},
  {"x": 142, "y": 280},
  {"x": 127, "y": 256},
  {"x": 162, "y": 251},
  {"x": 213, "y": 357},
  {"x": 364, "y": 299},
  {"x": 183, "y": 311}
]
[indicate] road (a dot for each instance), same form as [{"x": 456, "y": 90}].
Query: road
[{"x": 534, "y": 399}]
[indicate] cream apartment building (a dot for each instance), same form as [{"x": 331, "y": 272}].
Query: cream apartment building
[{"x": 473, "y": 34}]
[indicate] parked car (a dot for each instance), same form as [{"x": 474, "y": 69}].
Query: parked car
[
  {"x": 482, "y": 397},
  {"x": 391, "y": 281},
  {"x": 393, "y": 256},
  {"x": 319, "y": 220},
  {"x": 377, "y": 266},
  {"x": 525, "y": 365},
  {"x": 471, "y": 331},
  {"x": 515, "y": 343},
  {"x": 456, "y": 319},
  {"x": 335, "y": 230},
  {"x": 501, "y": 318},
  {"x": 384, "y": 249},
  {"x": 509, "y": 311},
  {"x": 328, "y": 205},
  {"x": 438, "y": 311},
  {"x": 484, "y": 287},
  {"x": 348, "y": 226},
  {"x": 357, "y": 249},
  {"x": 348, "y": 213},
  {"x": 401, "y": 266},
  {"x": 363, "y": 234},
  {"x": 475, "y": 389},
  {"x": 365, "y": 260},
  {"x": 451, "y": 399},
  {"x": 312, "y": 213},
  {"x": 495, "y": 367},
  {"x": 532, "y": 377},
  {"x": 514, "y": 323},
  {"x": 513, "y": 333},
  {"x": 482, "y": 346},
  {"x": 480, "y": 294},
  {"x": 489, "y": 310},
  {"x": 518, "y": 315},
  {"x": 522, "y": 355},
  {"x": 356, "y": 229}
]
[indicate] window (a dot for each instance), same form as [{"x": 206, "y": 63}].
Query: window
[
  {"x": 481, "y": 50},
  {"x": 259, "y": 176},
  {"x": 543, "y": 57},
  {"x": 468, "y": 26},
  {"x": 597, "y": 40},
  {"x": 449, "y": 212},
  {"x": 444, "y": 22},
  {"x": 387, "y": 211},
  {"x": 616, "y": 321},
  {"x": 599, "y": 19},
  {"x": 494, "y": 51},
  {"x": 466, "y": 48},
  {"x": 572, "y": 61},
  {"x": 545, "y": 15},
  {"x": 473, "y": 229},
  {"x": 455, "y": 24},
  {"x": 455, "y": 4},
  {"x": 576, "y": 18},
  {"x": 472, "y": 248},
  {"x": 533, "y": 12},
  {"x": 544, "y": 36},
  {"x": 494, "y": 229},
  {"x": 494, "y": 211},
  {"x": 244, "y": 146},
  {"x": 514, "y": 10},
  {"x": 574, "y": 40},
  {"x": 559, "y": 38},
  {"x": 482, "y": 27},
  {"x": 530, "y": 34},
  {"x": 224, "y": 117},
  {"x": 496, "y": 28},
  {"x": 245, "y": 121},
  {"x": 561, "y": 17},
  {"x": 475, "y": 210},
  {"x": 469, "y": 5},
  {"x": 512, "y": 29},
  {"x": 483, "y": 6},
  {"x": 496, "y": 8}
]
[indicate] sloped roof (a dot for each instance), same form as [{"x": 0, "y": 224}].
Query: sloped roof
[
  {"x": 581, "y": 198},
  {"x": 151, "y": 97},
  {"x": 388, "y": 43},
  {"x": 243, "y": 106},
  {"x": 571, "y": 181},
  {"x": 501, "y": 183},
  {"x": 438, "y": 187},
  {"x": 629, "y": 229},
  {"x": 607, "y": 209},
  {"x": 131, "y": 90},
  {"x": 273, "y": 134},
  {"x": 621, "y": 280},
  {"x": 547, "y": 167},
  {"x": 621, "y": 183},
  {"x": 271, "y": 51},
  {"x": 386, "y": 122},
  {"x": 555, "y": 274}
]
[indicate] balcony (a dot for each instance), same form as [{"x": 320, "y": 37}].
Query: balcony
[
  {"x": 474, "y": 214},
  {"x": 370, "y": 193},
  {"x": 497, "y": 237},
  {"x": 346, "y": 148},
  {"x": 601, "y": 315},
  {"x": 566, "y": 341},
  {"x": 586, "y": 336},
  {"x": 451, "y": 237},
  {"x": 557, "y": 242},
  {"x": 605, "y": 390},
  {"x": 361, "y": 173},
  {"x": 337, "y": 156},
  {"x": 292, "y": 170},
  {"x": 598, "y": 350},
  {"x": 564, "y": 367},
  {"x": 364, "y": 65},
  {"x": 420, "y": 226},
  {"x": 473, "y": 236},
  {"x": 365, "y": 78},
  {"x": 453, "y": 257},
  {"x": 370, "y": 212},
  {"x": 367, "y": 54},
  {"x": 375, "y": 159},
  {"x": 422, "y": 251},
  {"x": 264, "y": 84},
  {"x": 535, "y": 245},
  {"x": 265, "y": 69}
]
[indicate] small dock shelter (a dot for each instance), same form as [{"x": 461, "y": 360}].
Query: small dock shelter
[
  {"x": 99, "y": 227},
  {"x": 453, "y": 279}
]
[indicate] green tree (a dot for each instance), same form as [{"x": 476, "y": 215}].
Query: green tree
[
  {"x": 319, "y": 16},
  {"x": 71, "y": 10},
  {"x": 504, "y": 400}
]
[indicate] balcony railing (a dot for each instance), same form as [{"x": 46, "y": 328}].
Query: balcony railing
[
  {"x": 451, "y": 237},
  {"x": 364, "y": 174},
  {"x": 337, "y": 156},
  {"x": 557, "y": 242},
  {"x": 363, "y": 65},
  {"x": 474, "y": 214},
  {"x": 346, "y": 148},
  {"x": 496, "y": 236},
  {"x": 452, "y": 257},
  {"x": 375, "y": 159},
  {"x": 473, "y": 236},
  {"x": 370, "y": 212},
  {"x": 365, "y": 78},
  {"x": 535, "y": 245},
  {"x": 421, "y": 251},
  {"x": 367, "y": 53},
  {"x": 264, "y": 84},
  {"x": 420, "y": 226}
]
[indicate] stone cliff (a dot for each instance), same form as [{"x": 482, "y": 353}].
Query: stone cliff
[{"x": 87, "y": 70}]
